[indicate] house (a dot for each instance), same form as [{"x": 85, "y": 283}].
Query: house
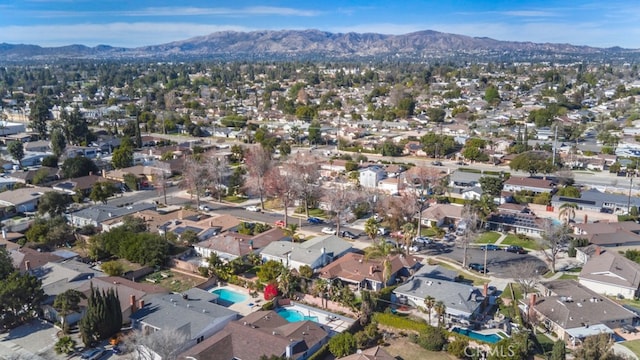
[
  {"x": 97, "y": 214},
  {"x": 612, "y": 274},
  {"x": 573, "y": 312},
  {"x": 462, "y": 301},
  {"x": 59, "y": 277},
  {"x": 261, "y": 333},
  {"x": 131, "y": 294},
  {"x": 606, "y": 234},
  {"x": 230, "y": 246},
  {"x": 473, "y": 193},
  {"x": 362, "y": 273},
  {"x": 374, "y": 353},
  {"x": 390, "y": 186},
  {"x": 315, "y": 253},
  {"x": 84, "y": 184},
  {"x": 26, "y": 259},
  {"x": 194, "y": 313},
  {"x": 534, "y": 185},
  {"x": 371, "y": 176},
  {"x": 598, "y": 201},
  {"x": 22, "y": 200},
  {"x": 461, "y": 180},
  {"x": 519, "y": 223},
  {"x": 204, "y": 225},
  {"x": 442, "y": 215},
  {"x": 48, "y": 174},
  {"x": 413, "y": 148}
]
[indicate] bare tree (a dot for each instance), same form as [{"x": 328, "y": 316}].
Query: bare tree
[
  {"x": 526, "y": 275},
  {"x": 306, "y": 172},
  {"x": 340, "y": 198},
  {"x": 420, "y": 182},
  {"x": 197, "y": 177},
  {"x": 398, "y": 209},
  {"x": 554, "y": 238},
  {"x": 165, "y": 344},
  {"x": 219, "y": 170},
  {"x": 258, "y": 162},
  {"x": 280, "y": 184},
  {"x": 469, "y": 226}
]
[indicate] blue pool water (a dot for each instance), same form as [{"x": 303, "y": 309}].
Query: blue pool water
[
  {"x": 295, "y": 316},
  {"x": 228, "y": 297},
  {"x": 491, "y": 339}
]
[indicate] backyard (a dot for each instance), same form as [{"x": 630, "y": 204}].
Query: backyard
[
  {"x": 173, "y": 281},
  {"x": 401, "y": 348}
]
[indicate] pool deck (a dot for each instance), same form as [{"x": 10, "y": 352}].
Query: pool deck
[{"x": 245, "y": 307}]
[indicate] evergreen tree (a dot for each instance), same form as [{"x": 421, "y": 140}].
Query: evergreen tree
[{"x": 103, "y": 317}]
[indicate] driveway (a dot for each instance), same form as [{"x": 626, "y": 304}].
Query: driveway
[{"x": 33, "y": 340}]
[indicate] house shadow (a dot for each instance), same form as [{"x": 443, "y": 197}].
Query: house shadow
[{"x": 27, "y": 329}]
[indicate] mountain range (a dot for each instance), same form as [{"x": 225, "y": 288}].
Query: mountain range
[{"x": 314, "y": 44}]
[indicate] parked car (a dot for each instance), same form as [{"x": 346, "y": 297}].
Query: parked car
[
  {"x": 204, "y": 208},
  {"x": 279, "y": 223},
  {"x": 423, "y": 240},
  {"x": 436, "y": 163},
  {"x": 489, "y": 247},
  {"x": 92, "y": 354},
  {"x": 253, "y": 208},
  {"x": 477, "y": 267},
  {"x": 383, "y": 231},
  {"x": 348, "y": 235},
  {"x": 314, "y": 220},
  {"x": 516, "y": 249},
  {"x": 328, "y": 231}
]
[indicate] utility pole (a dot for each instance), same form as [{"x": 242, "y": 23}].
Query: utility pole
[
  {"x": 555, "y": 143},
  {"x": 629, "y": 198}
]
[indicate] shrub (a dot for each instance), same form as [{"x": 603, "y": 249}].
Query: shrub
[
  {"x": 342, "y": 344},
  {"x": 432, "y": 338},
  {"x": 399, "y": 322},
  {"x": 457, "y": 347}
]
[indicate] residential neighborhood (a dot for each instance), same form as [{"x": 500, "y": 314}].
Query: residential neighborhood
[{"x": 319, "y": 210}]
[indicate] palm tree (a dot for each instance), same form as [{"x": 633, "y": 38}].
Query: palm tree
[
  {"x": 371, "y": 228},
  {"x": 290, "y": 231},
  {"x": 380, "y": 249},
  {"x": 386, "y": 271},
  {"x": 429, "y": 303},
  {"x": 440, "y": 308},
  {"x": 66, "y": 303},
  {"x": 568, "y": 212},
  {"x": 321, "y": 286},
  {"x": 286, "y": 283},
  {"x": 408, "y": 233}
]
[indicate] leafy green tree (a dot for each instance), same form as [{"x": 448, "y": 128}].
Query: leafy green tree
[
  {"x": 491, "y": 185},
  {"x": 269, "y": 271},
  {"x": 67, "y": 303},
  {"x": 6, "y": 264},
  {"x": 569, "y": 191},
  {"x": 436, "y": 114},
  {"x": 342, "y": 344},
  {"x": 53, "y": 203},
  {"x": 189, "y": 237},
  {"x": 78, "y": 166},
  {"x": 102, "y": 191},
  {"x": 76, "y": 128},
  {"x": 559, "y": 351},
  {"x": 20, "y": 298},
  {"x": 432, "y": 338},
  {"x": 315, "y": 132},
  {"x": 491, "y": 95},
  {"x": 39, "y": 115},
  {"x": 112, "y": 268},
  {"x": 533, "y": 162},
  {"x": 122, "y": 156},
  {"x": 306, "y": 272},
  {"x": 50, "y": 161},
  {"x": 16, "y": 150},
  {"x": 388, "y": 148},
  {"x": 58, "y": 142}
]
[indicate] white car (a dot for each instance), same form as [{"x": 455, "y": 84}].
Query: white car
[
  {"x": 328, "y": 231},
  {"x": 205, "y": 208},
  {"x": 253, "y": 208}
]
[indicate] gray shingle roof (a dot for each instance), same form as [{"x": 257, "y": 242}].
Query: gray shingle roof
[
  {"x": 100, "y": 213},
  {"x": 612, "y": 268}
]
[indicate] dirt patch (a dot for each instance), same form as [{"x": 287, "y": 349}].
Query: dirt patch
[
  {"x": 402, "y": 348},
  {"x": 173, "y": 281}
]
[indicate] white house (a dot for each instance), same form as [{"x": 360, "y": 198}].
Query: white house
[
  {"x": 611, "y": 274},
  {"x": 371, "y": 176}
]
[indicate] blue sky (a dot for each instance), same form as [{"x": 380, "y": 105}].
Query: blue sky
[{"x": 132, "y": 23}]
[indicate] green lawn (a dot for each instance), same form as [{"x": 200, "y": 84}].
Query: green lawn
[
  {"x": 633, "y": 345},
  {"x": 545, "y": 342},
  {"x": 429, "y": 232},
  {"x": 488, "y": 237},
  {"x": 515, "y": 240},
  {"x": 568, "y": 277},
  {"x": 235, "y": 199}
]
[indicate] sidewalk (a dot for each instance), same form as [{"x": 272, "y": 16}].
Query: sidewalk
[{"x": 500, "y": 239}]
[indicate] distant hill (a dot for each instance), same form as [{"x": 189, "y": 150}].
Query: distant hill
[{"x": 307, "y": 44}]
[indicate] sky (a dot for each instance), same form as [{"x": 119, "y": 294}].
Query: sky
[{"x": 132, "y": 23}]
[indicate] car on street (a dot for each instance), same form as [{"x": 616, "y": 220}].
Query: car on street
[
  {"x": 253, "y": 208},
  {"x": 516, "y": 249},
  {"x": 348, "y": 235},
  {"x": 279, "y": 223},
  {"x": 477, "y": 267},
  {"x": 423, "y": 240},
  {"x": 204, "y": 208},
  {"x": 490, "y": 247},
  {"x": 328, "y": 231},
  {"x": 436, "y": 163},
  {"x": 92, "y": 354},
  {"x": 314, "y": 220}
]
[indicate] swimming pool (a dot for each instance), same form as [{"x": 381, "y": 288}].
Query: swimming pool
[
  {"x": 228, "y": 297},
  {"x": 491, "y": 339},
  {"x": 295, "y": 316}
]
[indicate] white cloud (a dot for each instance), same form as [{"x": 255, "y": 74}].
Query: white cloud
[{"x": 529, "y": 13}]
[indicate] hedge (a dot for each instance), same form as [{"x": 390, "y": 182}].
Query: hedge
[{"x": 321, "y": 353}]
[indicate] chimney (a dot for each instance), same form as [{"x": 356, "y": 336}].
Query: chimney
[
  {"x": 532, "y": 301},
  {"x": 140, "y": 304},
  {"x": 4, "y": 233},
  {"x": 586, "y": 217},
  {"x": 132, "y": 302},
  {"x": 371, "y": 270},
  {"x": 485, "y": 290},
  {"x": 27, "y": 265},
  {"x": 598, "y": 250}
]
